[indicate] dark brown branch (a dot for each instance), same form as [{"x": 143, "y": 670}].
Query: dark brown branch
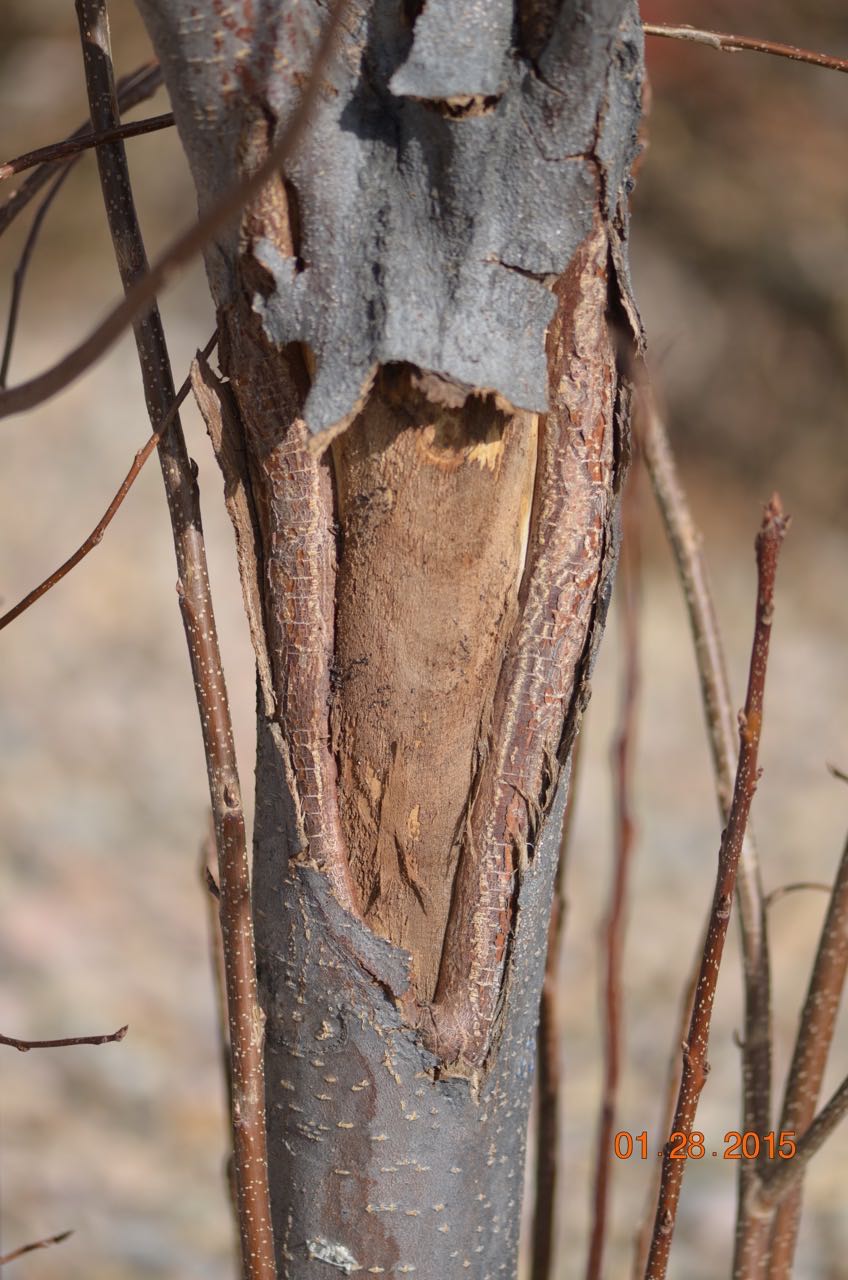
[
  {"x": 735, "y": 44},
  {"x": 84, "y": 142},
  {"x": 132, "y": 89},
  {"x": 139, "y": 297},
  {"x": 695, "y": 1063},
  {"x": 809, "y": 1059},
  {"x": 46, "y": 1243},
  {"x": 19, "y": 277},
  {"x": 628, "y": 583},
  {"x": 96, "y": 536},
  {"x": 24, "y": 1046},
  {"x": 549, "y": 1061},
  {"x": 686, "y": 545},
  {"x": 244, "y": 1015}
]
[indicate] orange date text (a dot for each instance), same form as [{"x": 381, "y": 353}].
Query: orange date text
[{"x": 693, "y": 1146}]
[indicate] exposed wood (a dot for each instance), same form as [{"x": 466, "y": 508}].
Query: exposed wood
[{"x": 434, "y": 512}]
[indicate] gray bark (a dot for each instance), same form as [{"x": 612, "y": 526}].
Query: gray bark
[{"x": 458, "y": 209}]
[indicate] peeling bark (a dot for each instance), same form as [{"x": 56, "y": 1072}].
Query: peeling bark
[{"x": 422, "y": 437}]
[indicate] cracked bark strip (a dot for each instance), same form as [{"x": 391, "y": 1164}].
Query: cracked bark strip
[
  {"x": 292, "y": 491},
  {"x": 539, "y": 681}
]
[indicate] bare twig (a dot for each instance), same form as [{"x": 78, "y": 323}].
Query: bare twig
[
  {"x": 628, "y": 582},
  {"x": 809, "y": 1059},
  {"x": 139, "y": 297},
  {"x": 84, "y": 142},
  {"x": 735, "y": 44},
  {"x": 672, "y": 1085},
  {"x": 685, "y": 542},
  {"x": 132, "y": 89},
  {"x": 96, "y": 536},
  {"x": 24, "y": 1046},
  {"x": 244, "y": 1015},
  {"x": 799, "y": 886},
  {"x": 46, "y": 1243},
  {"x": 695, "y": 1064},
  {"x": 217, "y": 963},
  {"x": 783, "y": 1176},
  {"x": 549, "y": 1069},
  {"x": 19, "y": 276}
]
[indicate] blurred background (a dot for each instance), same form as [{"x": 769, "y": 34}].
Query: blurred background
[{"x": 740, "y": 258}]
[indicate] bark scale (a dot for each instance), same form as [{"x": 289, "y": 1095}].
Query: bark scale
[{"x": 422, "y": 433}]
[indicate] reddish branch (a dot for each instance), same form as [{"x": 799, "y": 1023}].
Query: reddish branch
[
  {"x": 24, "y": 1046},
  {"x": 96, "y": 536},
  {"x": 695, "y": 1063},
  {"x": 735, "y": 44},
  {"x": 669, "y": 1102},
  {"x": 686, "y": 545},
  {"x": 549, "y": 1068},
  {"x": 35, "y": 1244},
  {"x": 132, "y": 89},
  {"x": 245, "y": 1023},
  {"x": 629, "y": 574},
  {"x": 812, "y": 1046},
  {"x": 84, "y": 142},
  {"x": 139, "y": 298}
]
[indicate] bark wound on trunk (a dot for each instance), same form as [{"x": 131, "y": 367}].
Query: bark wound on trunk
[{"x": 416, "y": 328}]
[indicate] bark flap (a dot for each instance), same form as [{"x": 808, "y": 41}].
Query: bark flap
[{"x": 443, "y": 178}]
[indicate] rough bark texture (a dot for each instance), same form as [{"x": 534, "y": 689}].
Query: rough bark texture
[{"x": 432, "y": 288}]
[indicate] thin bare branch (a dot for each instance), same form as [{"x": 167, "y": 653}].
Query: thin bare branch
[
  {"x": 84, "y": 142},
  {"x": 809, "y": 1058},
  {"x": 666, "y": 1125},
  {"x": 46, "y": 1243},
  {"x": 96, "y": 536},
  {"x": 68, "y": 1042},
  {"x": 628, "y": 585},
  {"x": 727, "y": 43},
  {"x": 695, "y": 1063},
  {"x": 139, "y": 298},
  {"x": 799, "y": 886},
  {"x": 686, "y": 546},
  {"x": 217, "y": 963},
  {"x": 244, "y": 1014},
  {"x": 837, "y": 773},
  {"x": 132, "y": 89},
  {"x": 549, "y": 1070},
  {"x": 781, "y": 1177},
  {"x": 19, "y": 277}
]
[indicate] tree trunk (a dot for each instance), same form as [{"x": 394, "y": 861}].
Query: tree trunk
[{"x": 422, "y": 435}]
